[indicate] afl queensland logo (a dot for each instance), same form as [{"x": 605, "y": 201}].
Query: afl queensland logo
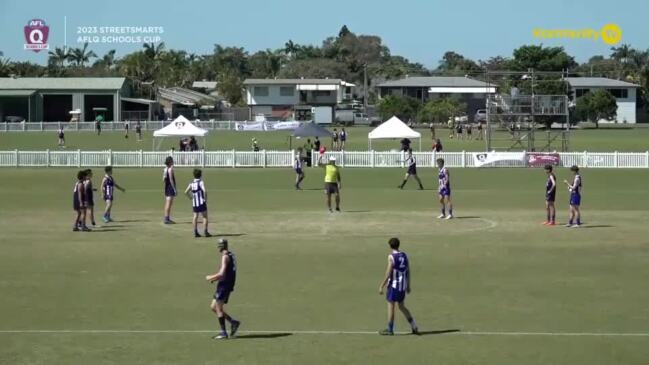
[{"x": 36, "y": 33}]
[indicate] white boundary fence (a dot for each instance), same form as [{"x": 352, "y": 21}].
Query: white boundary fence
[
  {"x": 107, "y": 126},
  {"x": 233, "y": 159}
]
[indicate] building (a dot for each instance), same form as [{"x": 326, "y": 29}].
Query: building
[
  {"x": 469, "y": 91},
  {"x": 177, "y": 101},
  {"x": 624, "y": 93},
  {"x": 295, "y": 98},
  {"x": 51, "y": 99}
]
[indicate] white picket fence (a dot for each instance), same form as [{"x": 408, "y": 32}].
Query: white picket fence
[
  {"x": 107, "y": 126},
  {"x": 234, "y": 159}
]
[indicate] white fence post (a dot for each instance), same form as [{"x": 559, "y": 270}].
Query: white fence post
[
  {"x": 42, "y": 126},
  {"x": 234, "y": 159},
  {"x": 584, "y": 161},
  {"x": 373, "y": 159},
  {"x": 264, "y": 154},
  {"x": 110, "y": 157},
  {"x": 16, "y": 155},
  {"x": 203, "y": 157},
  {"x": 141, "y": 158},
  {"x": 646, "y": 161},
  {"x": 463, "y": 158},
  {"x": 342, "y": 158},
  {"x": 616, "y": 163},
  {"x": 78, "y": 158},
  {"x": 48, "y": 157}
]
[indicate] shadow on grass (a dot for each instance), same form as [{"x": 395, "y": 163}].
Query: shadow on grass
[
  {"x": 356, "y": 211},
  {"x": 597, "y": 226},
  {"x": 228, "y": 234},
  {"x": 438, "y": 332},
  {"x": 467, "y": 217},
  {"x": 262, "y": 336},
  {"x": 132, "y": 221},
  {"x": 102, "y": 230}
]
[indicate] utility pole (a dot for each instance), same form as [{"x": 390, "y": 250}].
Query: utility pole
[{"x": 365, "y": 88}]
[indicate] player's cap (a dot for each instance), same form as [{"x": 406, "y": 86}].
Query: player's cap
[
  {"x": 332, "y": 158},
  {"x": 222, "y": 244}
]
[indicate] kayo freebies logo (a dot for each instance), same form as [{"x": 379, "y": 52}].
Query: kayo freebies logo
[{"x": 36, "y": 34}]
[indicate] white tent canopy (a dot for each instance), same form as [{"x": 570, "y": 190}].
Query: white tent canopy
[
  {"x": 180, "y": 127},
  {"x": 393, "y": 128}
]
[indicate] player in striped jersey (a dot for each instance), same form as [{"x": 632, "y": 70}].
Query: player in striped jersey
[
  {"x": 575, "y": 198},
  {"x": 78, "y": 203},
  {"x": 412, "y": 170},
  {"x": 299, "y": 172},
  {"x": 61, "y": 134},
  {"x": 108, "y": 186},
  {"x": 169, "y": 180},
  {"x": 550, "y": 196},
  {"x": 397, "y": 279},
  {"x": 444, "y": 190},
  {"x": 198, "y": 195}
]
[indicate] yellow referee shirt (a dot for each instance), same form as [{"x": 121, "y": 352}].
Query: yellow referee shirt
[{"x": 331, "y": 174}]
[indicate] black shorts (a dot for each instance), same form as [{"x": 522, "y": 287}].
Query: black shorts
[
  {"x": 550, "y": 197},
  {"x": 331, "y": 188},
  {"x": 412, "y": 170},
  {"x": 222, "y": 294}
]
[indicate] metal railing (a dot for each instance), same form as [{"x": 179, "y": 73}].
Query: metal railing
[{"x": 372, "y": 159}]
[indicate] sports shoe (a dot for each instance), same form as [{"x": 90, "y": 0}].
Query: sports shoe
[
  {"x": 221, "y": 336},
  {"x": 450, "y": 216},
  {"x": 415, "y": 331},
  {"x": 441, "y": 216},
  {"x": 85, "y": 229},
  {"x": 546, "y": 223},
  {"x": 207, "y": 234},
  {"x": 338, "y": 209},
  {"x": 569, "y": 225},
  {"x": 93, "y": 223},
  {"x": 386, "y": 332},
  {"x": 330, "y": 211},
  {"x": 105, "y": 219},
  {"x": 551, "y": 224},
  {"x": 169, "y": 221},
  {"x": 196, "y": 235},
  {"x": 234, "y": 328},
  {"x": 75, "y": 229},
  {"x": 575, "y": 226}
]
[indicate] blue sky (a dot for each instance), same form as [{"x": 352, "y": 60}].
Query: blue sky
[{"x": 416, "y": 29}]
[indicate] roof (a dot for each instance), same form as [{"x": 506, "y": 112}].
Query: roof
[
  {"x": 393, "y": 128},
  {"x": 185, "y": 96},
  {"x": 598, "y": 82},
  {"x": 180, "y": 127},
  {"x": 294, "y": 81},
  {"x": 139, "y": 100},
  {"x": 204, "y": 84},
  {"x": 17, "y": 92},
  {"x": 62, "y": 83},
  {"x": 434, "y": 81}
]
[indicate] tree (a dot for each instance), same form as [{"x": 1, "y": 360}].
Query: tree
[
  {"x": 541, "y": 58},
  {"x": 81, "y": 55},
  {"x": 318, "y": 68},
  {"x": 58, "y": 56},
  {"x": 404, "y": 107},
  {"x": 596, "y": 105},
  {"x": 266, "y": 64},
  {"x": 230, "y": 86},
  {"x": 440, "y": 110},
  {"x": 107, "y": 62},
  {"x": 6, "y": 67},
  {"x": 455, "y": 63},
  {"x": 290, "y": 48},
  {"x": 343, "y": 31}
]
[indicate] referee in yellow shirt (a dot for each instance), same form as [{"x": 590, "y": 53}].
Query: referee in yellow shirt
[{"x": 333, "y": 183}]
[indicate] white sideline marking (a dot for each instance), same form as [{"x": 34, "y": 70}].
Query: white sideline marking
[{"x": 333, "y": 332}]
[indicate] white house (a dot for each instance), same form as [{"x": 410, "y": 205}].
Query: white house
[
  {"x": 295, "y": 98},
  {"x": 425, "y": 88},
  {"x": 624, "y": 93}
]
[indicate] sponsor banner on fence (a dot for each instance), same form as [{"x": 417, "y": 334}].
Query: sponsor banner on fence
[
  {"x": 266, "y": 126},
  {"x": 257, "y": 126},
  {"x": 487, "y": 158},
  {"x": 539, "y": 159}
]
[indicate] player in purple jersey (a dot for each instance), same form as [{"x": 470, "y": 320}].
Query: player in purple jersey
[
  {"x": 412, "y": 171},
  {"x": 197, "y": 193},
  {"x": 108, "y": 186},
  {"x": 444, "y": 190},
  {"x": 89, "y": 196},
  {"x": 225, "y": 278},
  {"x": 397, "y": 280},
  {"x": 169, "y": 180},
  {"x": 78, "y": 201},
  {"x": 550, "y": 196},
  {"x": 61, "y": 134},
  {"x": 299, "y": 172},
  {"x": 575, "y": 198}
]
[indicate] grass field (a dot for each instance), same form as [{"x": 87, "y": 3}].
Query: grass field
[
  {"x": 513, "y": 291},
  {"x": 603, "y": 140}
]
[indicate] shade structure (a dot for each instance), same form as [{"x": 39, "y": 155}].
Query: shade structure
[
  {"x": 393, "y": 128},
  {"x": 311, "y": 130},
  {"x": 180, "y": 127}
]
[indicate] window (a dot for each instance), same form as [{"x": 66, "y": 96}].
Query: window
[
  {"x": 286, "y": 91},
  {"x": 619, "y": 93},
  {"x": 581, "y": 92},
  {"x": 321, "y": 93},
  {"x": 260, "y": 91}
]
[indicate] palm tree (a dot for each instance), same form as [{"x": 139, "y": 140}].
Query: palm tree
[
  {"x": 59, "y": 56},
  {"x": 622, "y": 54},
  {"x": 108, "y": 61},
  {"x": 152, "y": 51},
  {"x": 291, "y": 48},
  {"x": 81, "y": 55},
  {"x": 6, "y": 67}
]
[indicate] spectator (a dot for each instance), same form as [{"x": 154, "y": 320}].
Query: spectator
[
  {"x": 437, "y": 145},
  {"x": 405, "y": 144},
  {"x": 255, "y": 145},
  {"x": 316, "y": 144}
]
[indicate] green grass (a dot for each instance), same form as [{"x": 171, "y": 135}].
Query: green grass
[
  {"x": 604, "y": 140},
  {"x": 300, "y": 268}
]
